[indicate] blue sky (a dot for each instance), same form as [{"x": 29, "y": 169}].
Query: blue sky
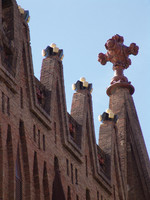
[{"x": 81, "y": 28}]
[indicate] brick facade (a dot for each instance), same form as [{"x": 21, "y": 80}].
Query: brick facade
[{"x": 47, "y": 153}]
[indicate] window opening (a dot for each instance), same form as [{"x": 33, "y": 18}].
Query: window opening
[
  {"x": 67, "y": 163},
  {"x": 43, "y": 142},
  {"x": 86, "y": 167},
  {"x": 76, "y": 176},
  {"x": 8, "y": 106},
  {"x": 39, "y": 139},
  {"x": 34, "y": 133},
  {"x": 21, "y": 97},
  {"x": 71, "y": 173},
  {"x": 3, "y": 102}
]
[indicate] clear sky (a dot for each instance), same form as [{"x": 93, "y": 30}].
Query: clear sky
[{"x": 81, "y": 28}]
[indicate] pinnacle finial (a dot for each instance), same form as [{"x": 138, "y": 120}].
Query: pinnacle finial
[
  {"x": 53, "y": 50},
  {"x": 81, "y": 85},
  {"x": 117, "y": 52},
  {"x": 108, "y": 116},
  {"x": 25, "y": 14}
]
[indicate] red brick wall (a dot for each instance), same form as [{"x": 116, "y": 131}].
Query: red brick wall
[{"x": 39, "y": 137}]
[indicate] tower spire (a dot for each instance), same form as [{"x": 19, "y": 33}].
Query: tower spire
[{"x": 118, "y": 54}]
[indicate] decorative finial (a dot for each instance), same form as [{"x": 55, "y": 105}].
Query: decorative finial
[
  {"x": 53, "y": 50},
  {"x": 118, "y": 54},
  {"x": 108, "y": 116},
  {"x": 82, "y": 85},
  {"x": 25, "y": 14}
]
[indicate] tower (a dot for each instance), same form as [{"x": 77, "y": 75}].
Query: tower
[{"x": 129, "y": 152}]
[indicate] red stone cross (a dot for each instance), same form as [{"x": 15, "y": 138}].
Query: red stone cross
[{"x": 118, "y": 54}]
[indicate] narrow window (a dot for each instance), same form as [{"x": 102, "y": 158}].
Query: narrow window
[
  {"x": 77, "y": 197},
  {"x": 86, "y": 167},
  {"x": 25, "y": 159},
  {"x": 34, "y": 133},
  {"x": 55, "y": 132},
  {"x": 87, "y": 194},
  {"x": 8, "y": 106},
  {"x": 101, "y": 197},
  {"x": 45, "y": 183},
  {"x": 18, "y": 178},
  {"x": 114, "y": 191},
  {"x": 36, "y": 179},
  {"x": 43, "y": 142},
  {"x": 69, "y": 194},
  {"x": 10, "y": 162},
  {"x": 21, "y": 98},
  {"x": 67, "y": 163},
  {"x": 3, "y": 102},
  {"x": 97, "y": 195},
  {"x": 39, "y": 139},
  {"x": 71, "y": 173},
  {"x": 76, "y": 176}
]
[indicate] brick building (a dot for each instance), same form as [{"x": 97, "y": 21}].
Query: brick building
[{"x": 47, "y": 153}]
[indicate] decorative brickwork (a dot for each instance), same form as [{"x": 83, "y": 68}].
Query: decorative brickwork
[{"x": 47, "y": 153}]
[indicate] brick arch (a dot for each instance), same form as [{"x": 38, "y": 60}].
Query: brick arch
[
  {"x": 1, "y": 166},
  {"x": 45, "y": 183},
  {"x": 36, "y": 178},
  {"x": 24, "y": 152},
  {"x": 10, "y": 159}
]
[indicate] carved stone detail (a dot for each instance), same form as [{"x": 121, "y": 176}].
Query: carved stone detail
[{"x": 118, "y": 54}]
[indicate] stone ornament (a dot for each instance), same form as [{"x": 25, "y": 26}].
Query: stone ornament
[
  {"x": 108, "y": 116},
  {"x": 53, "y": 50},
  {"x": 118, "y": 54},
  {"x": 25, "y": 14},
  {"x": 82, "y": 84}
]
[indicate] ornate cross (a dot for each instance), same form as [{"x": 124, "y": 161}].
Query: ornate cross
[{"x": 118, "y": 54}]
